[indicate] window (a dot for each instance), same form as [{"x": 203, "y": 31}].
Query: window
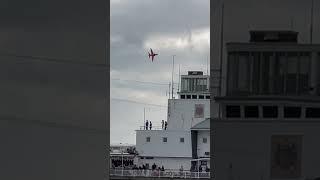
[
  {"x": 194, "y": 96},
  {"x": 270, "y": 111},
  {"x": 207, "y": 153},
  {"x": 182, "y": 140},
  {"x": 233, "y": 111},
  {"x": 149, "y": 157},
  {"x": 164, "y": 139},
  {"x": 292, "y": 112},
  {"x": 312, "y": 112},
  {"x": 201, "y": 96},
  {"x": 188, "y": 96},
  {"x": 183, "y": 96},
  {"x": 148, "y": 139},
  {"x": 204, "y": 140},
  {"x": 207, "y": 97},
  {"x": 251, "y": 112}
]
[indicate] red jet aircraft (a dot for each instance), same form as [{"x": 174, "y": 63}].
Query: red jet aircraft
[{"x": 152, "y": 55}]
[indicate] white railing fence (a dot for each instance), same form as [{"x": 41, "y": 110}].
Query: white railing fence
[{"x": 157, "y": 173}]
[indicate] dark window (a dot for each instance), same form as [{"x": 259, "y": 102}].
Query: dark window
[
  {"x": 194, "y": 96},
  {"x": 148, "y": 139},
  {"x": 251, "y": 111},
  {"x": 149, "y": 157},
  {"x": 165, "y": 139},
  {"x": 233, "y": 111},
  {"x": 141, "y": 157},
  {"x": 181, "y": 140},
  {"x": 204, "y": 140},
  {"x": 313, "y": 112},
  {"x": 188, "y": 96},
  {"x": 183, "y": 96},
  {"x": 201, "y": 97},
  {"x": 207, "y": 153},
  {"x": 207, "y": 97},
  {"x": 270, "y": 111},
  {"x": 292, "y": 112}
]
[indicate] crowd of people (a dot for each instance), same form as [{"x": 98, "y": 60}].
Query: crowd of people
[
  {"x": 148, "y": 125},
  {"x": 118, "y": 163}
]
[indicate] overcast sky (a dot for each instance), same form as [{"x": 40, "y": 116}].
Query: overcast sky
[{"x": 169, "y": 27}]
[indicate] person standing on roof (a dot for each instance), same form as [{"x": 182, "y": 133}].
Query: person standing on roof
[{"x": 147, "y": 124}]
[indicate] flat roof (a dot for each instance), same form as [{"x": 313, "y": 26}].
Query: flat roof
[{"x": 271, "y": 46}]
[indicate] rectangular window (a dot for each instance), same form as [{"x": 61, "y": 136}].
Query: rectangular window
[
  {"x": 194, "y": 96},
  {"x": 207, "y": 97},
  {"x": 251, "y": 111},
  {"x": 233, "y": 111},
  {"x": 204, "y": 140},
  {"x": 188, "y": 96},
  {"x": 148, "y": 139},
  {"x": 312, "y": 112},
  {"x": 270, "y": 111},
  {"x": 201, "y": 96},
  {"x": 292, "y": 112},
  {"x": 164, "y": 139},
  {"x": 182, "y": 140},
  {"x": 182, "y": 96}
]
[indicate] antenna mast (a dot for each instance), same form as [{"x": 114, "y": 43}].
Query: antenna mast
[
  {"x": 179, "y": 79},
  {"x": 172, "y": 76}
]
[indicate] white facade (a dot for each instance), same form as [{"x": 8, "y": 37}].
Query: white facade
[
  {"x": 181, "y": 113},
  {"x": 157, "y": 148},
  {"x": 192, "y": 107},
  {"x": 203, "y": 143}
]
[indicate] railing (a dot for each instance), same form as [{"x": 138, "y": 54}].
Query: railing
[
  {"x": 153, "y": 128},
  {"x": 157, "y": 173}
]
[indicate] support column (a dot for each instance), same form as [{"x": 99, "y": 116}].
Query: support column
[{"x": 314, "y": 74}]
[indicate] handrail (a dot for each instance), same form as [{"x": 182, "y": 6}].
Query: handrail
[
  {"x": 159, "y": 173},
  {"x": 153, "y": 128}
]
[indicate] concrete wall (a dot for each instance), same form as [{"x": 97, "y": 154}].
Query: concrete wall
[
  {"x": 247, "y": 146},
  {"x": 182, "y": 113},
  {"x": 54, "y": 76},
  {"x": 156, "y": 147},
  {"x": 203, "y": 147}
]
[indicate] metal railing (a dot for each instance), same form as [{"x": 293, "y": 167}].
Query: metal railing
[
  {"x": 153, "y": 128},
  {"x": 158, "y": 173}
]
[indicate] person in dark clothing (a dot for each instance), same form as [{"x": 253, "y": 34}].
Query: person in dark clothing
[
  {"x": 154, "y": 166},
  {"x": 165, "y": 125},
  {"x": 162, "y": 122},
  {"x": 147, "y": 124},
  {"x": 150, "y": 125},
  {"x": 162, "y": 169}
]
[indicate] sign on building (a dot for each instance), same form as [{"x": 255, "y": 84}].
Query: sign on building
[{"x": 199, "y": 111}]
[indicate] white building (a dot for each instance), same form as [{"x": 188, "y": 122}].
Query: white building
[
  {"x": 270, "y": 110},
  {"x": 173, "y": 147}
]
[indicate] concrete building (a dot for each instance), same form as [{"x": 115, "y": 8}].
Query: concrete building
[
  {"x": 270, "y": 109},
  {"x": 173, "y": 147}
]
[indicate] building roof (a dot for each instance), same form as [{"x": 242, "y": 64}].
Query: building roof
[{"x": 203, "y": 125}]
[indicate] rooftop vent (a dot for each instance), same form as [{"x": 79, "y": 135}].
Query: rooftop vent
[{"x": 274, "y": 36}]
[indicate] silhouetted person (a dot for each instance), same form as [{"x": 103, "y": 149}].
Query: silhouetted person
[
  {"x": 147, "y": 124},
  {"x": 162, "y": 122},
  {"x": 150, "y": 125},
  {"x": 165, "y": 125},
  {"x": 162, "y": 168}
]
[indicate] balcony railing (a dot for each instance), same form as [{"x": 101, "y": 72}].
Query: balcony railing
[
  {"x": 153, "y": 128},
  {"x": 157, "y": 173}
]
